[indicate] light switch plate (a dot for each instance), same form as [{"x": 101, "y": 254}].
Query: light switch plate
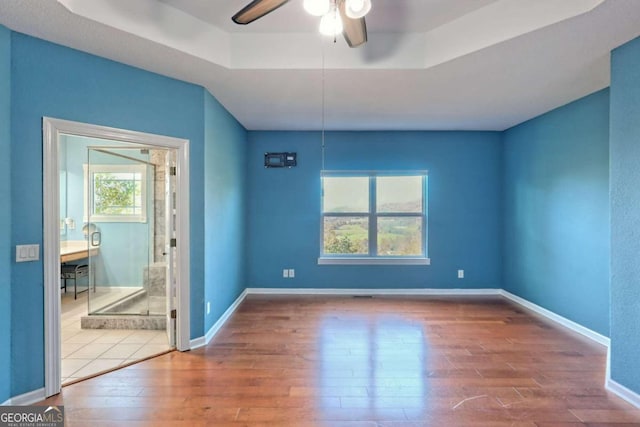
[{"x": 26, "y": 253}]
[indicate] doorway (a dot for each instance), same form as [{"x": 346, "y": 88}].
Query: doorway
[
  {"x": 115, "y": 231},
  {"x": 132, "y": 230}
]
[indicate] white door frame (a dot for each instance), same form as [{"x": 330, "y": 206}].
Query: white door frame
[{"x": 52, "y": 129}]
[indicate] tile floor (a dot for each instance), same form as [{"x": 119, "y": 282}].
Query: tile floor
[{"x": 86, "y": 352}]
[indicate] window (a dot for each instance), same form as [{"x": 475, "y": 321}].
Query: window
[
  {"x": 373, "y": 218},
  {"x": 119, "y": 193}
]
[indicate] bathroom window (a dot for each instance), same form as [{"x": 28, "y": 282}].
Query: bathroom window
[{"x": 118, "y": 193}]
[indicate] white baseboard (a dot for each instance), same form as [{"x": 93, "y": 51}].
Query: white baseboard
[
  {"x": 366, "y": 292},
  {"x": 618, "y": 389},
  {"x": 29, "y": 398},
  {"x": 202, "y": 341},
  {"x": 623, "y": 392},
  {"x": 607, "y": 374},
  {"x": 563, "y": 321},
  {"x": 197, "y": 342}
]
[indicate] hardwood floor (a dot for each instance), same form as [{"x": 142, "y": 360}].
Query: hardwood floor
[{"x": 364, "y": 362}]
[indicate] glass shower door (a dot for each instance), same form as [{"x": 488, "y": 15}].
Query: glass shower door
[{"x": 119, "y": 229}]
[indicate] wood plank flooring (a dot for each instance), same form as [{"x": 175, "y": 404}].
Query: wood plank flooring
[{"x": 364, "y": 362}]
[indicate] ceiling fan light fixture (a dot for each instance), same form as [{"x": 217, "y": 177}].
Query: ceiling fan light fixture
[
  {"x": 317, "y": 7},
  {"x": 356, "y": 9},
  {"x": 331, "y": 23}
]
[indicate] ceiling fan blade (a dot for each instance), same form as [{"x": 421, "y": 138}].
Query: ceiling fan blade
[
  {"x": 355, "y": 30},
  {"x": 256, "y": 9}
]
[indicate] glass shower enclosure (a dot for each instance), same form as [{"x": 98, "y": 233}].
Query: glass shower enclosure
[{"x": 119, "y": 227}]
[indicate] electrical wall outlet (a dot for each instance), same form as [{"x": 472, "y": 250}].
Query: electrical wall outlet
[
  {"x": 292, "y": 273},
  {"x": 208, "y": 307},
  {"x": 460, "y": 274},
  {"x": 285, "y": 273}
]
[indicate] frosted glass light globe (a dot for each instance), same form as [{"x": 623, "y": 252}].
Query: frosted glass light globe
[
  {"x": 331, "y": 24},
  {"x": 356, "y": 9}
]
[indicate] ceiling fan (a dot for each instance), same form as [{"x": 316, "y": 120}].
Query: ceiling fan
[{"x": 338, "y": 16}]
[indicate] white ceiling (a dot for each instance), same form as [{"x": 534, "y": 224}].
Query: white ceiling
[
  {"x": 391, "y": 16},
  {"x": 428, "y": 65}
]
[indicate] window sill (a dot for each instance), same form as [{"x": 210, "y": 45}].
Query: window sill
[
  {"x": 373, "y": 261},
  {"x": 116, "y": 218}
]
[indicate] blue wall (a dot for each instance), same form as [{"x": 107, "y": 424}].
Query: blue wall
[
  {"x": 625, "y": 215},
  {"x": 556, "y": 215},
  {"x": 464, "y": 217},
  {"x": 5, "y": 214},
  {"x": 58, "y": 82},
  {"x": 225, "y": 206}
]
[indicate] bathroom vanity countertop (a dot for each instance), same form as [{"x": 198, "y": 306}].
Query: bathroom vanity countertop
[{"x": 73, "y": 250}]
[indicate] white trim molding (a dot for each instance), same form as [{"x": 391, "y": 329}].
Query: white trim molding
[
  {"x": 622, "y": 392},
  {"x": 202, "y": 341},
  {"x": 367, "y": 292},
  {"x": 28, "y": 398},
  {"x": 607, "y": 374},
  {"x": 373, "y": 261},
  {"x": 563, "y": 321},
  {"x": 51, "y": 255},
  {"x": 198, "y": 342},
  {"x": 52, "y": 130}
]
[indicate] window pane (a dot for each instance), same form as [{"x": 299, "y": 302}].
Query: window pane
[
  {"x": 117, "y": 193},
  {"x": 346, "y": 235},
  {"x": 399, "y": 194},
  {"x": 400, "y": 236},
  {"x": 345, "y": 194}
]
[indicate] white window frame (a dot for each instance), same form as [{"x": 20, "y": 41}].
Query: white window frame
[
  {"x": 372, "y": 258},
  {"x": 142, "y": 169}
]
